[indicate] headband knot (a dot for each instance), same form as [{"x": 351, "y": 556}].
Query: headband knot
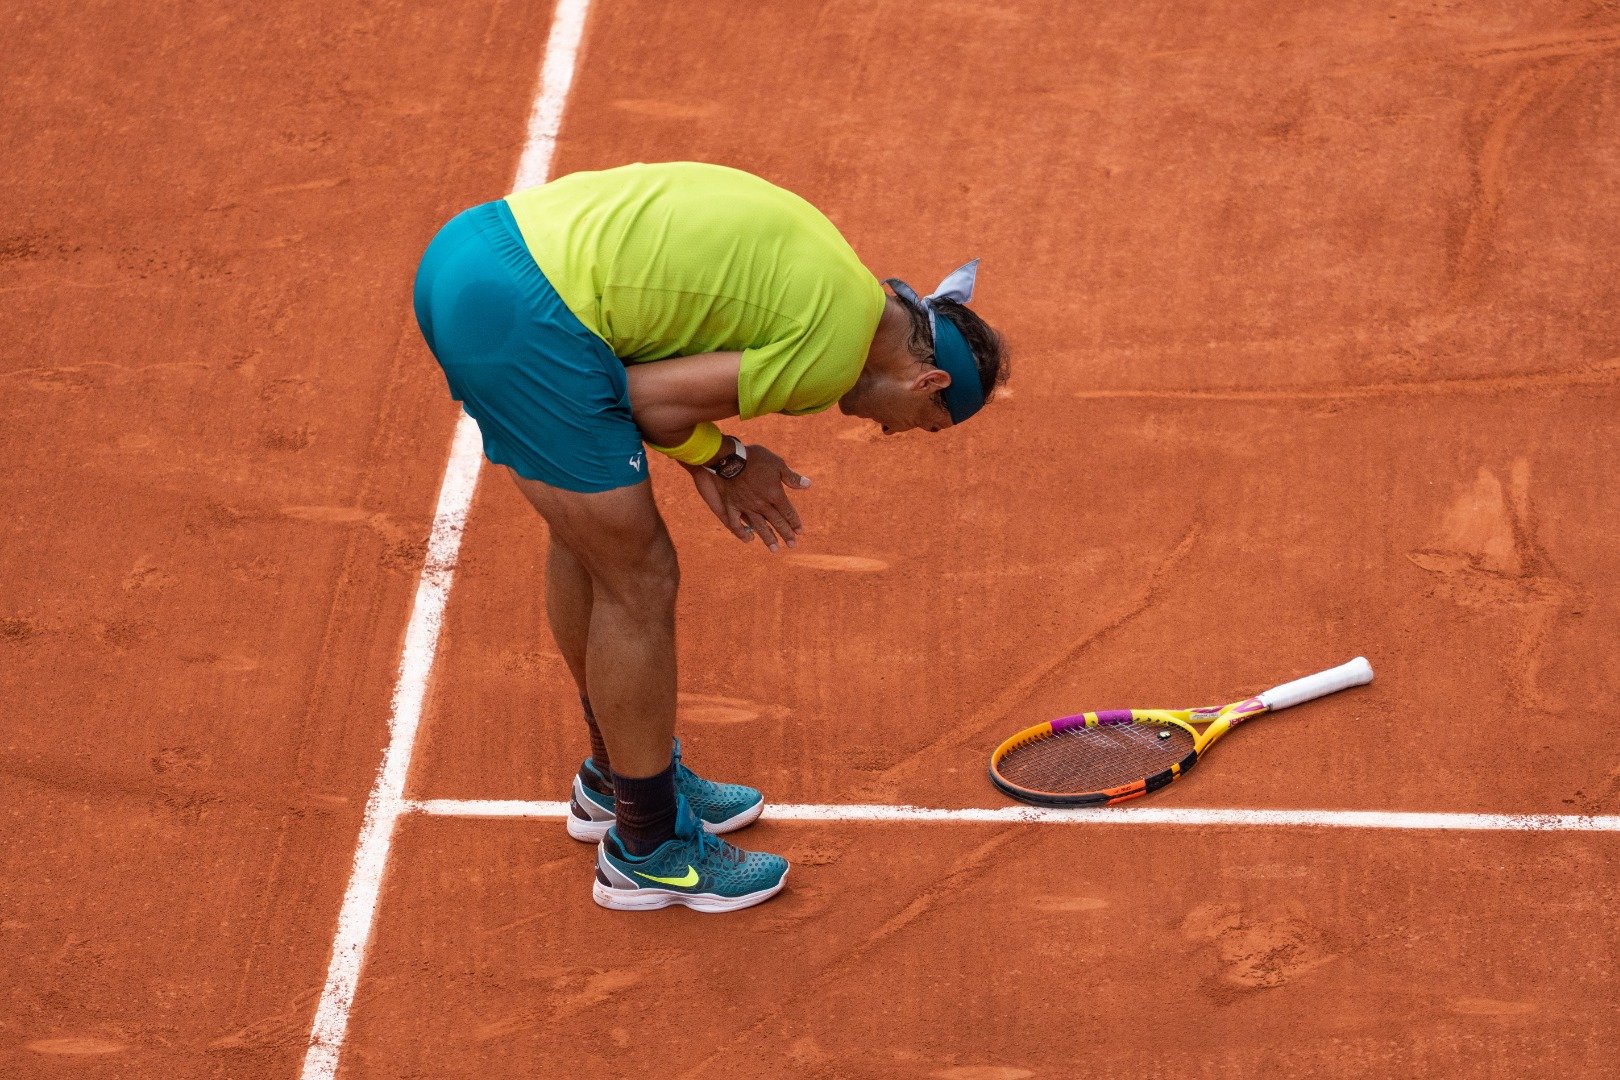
[{"x": 965, "y": 396}]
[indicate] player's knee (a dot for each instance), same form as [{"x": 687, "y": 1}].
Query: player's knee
[{"x": 649, "y": 580}]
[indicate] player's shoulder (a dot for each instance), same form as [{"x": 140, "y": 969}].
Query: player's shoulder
[
  {"x": 684, "y": 183},
  {"x": 703, "y": 172},
  {"x": 641, "y": 173}
]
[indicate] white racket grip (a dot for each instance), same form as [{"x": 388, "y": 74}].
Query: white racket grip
[{"x": 1356, "y": 673}]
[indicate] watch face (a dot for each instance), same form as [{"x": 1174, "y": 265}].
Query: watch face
[{"x": 731, "y": 466}]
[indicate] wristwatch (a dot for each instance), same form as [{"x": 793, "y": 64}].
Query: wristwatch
[{"x": 729, "y": 466}]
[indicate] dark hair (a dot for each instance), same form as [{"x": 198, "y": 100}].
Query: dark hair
[{"x": 989, "y": 351}]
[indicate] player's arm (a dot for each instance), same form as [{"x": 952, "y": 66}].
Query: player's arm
[
  {"x": 670, "y": 398},
  {"x": 675, "y": 403}
]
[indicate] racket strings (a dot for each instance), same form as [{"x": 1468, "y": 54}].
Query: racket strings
[{"x": 1098, "y": 758}]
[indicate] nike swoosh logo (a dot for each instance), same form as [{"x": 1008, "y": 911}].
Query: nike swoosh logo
[{"x": 685, "y": 881}]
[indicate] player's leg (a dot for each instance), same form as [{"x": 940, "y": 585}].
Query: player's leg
[
  {"x": 617, "y": 540},
  {"x": 568, "y": 609},
  {"x": 659, "y": 852},
  {"x": 722, "y": 808}
]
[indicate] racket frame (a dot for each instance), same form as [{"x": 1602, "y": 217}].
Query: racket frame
[{"x": 1220, "y": 719}]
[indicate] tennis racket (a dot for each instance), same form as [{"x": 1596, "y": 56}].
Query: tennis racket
[{"x": 1101, "y": 758}]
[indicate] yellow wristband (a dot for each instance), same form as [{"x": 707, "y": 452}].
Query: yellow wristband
[{"x": 703, "y": 445}]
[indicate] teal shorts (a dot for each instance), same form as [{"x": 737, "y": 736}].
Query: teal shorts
[{"x": 550, "y": 398}]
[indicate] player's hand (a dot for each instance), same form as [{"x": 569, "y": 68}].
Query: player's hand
[{"x": 755, "y": 502}]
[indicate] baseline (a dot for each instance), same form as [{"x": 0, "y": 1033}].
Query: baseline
[{"x": 1118, "y": 815}]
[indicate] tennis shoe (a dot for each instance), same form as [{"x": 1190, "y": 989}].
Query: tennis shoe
[
  {"x": 694, "y": 868},
  {"x": 722, "y": 808}
]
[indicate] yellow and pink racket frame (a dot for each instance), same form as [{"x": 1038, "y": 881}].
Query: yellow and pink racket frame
[{"x": 1221, "y": 719}]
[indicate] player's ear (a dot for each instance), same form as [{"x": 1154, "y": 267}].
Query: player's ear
[{"x": 932, "y": 381}]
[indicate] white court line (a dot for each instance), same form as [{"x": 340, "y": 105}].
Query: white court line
[
  {"x": 387, "y": 800},
  {"x": 1114, "y": 815}
]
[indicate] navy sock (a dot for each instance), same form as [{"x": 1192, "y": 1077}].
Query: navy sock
[
  {"x": 602, "y": 782},
  {"x": 645, "y": 807}
]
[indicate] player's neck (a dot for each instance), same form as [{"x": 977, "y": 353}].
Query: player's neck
[
  {"x": 888, "y": 358},
  {"x": 890, "y": 351}
]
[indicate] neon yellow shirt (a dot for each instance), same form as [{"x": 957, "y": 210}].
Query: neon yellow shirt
[{"x": 683, "y": 258}]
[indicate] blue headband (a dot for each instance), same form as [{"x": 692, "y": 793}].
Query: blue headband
[{"x": 965, "y": 395}]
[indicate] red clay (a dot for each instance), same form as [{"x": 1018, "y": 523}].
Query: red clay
[
  {"x": 222, "y": 450},
  {"x": 1315, "y": 316},
  {"x": 990, "y": 953}
]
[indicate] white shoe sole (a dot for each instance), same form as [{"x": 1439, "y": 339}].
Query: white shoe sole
[
  {"x": 592, "y": 831},
  {"x": 653, "y": 899}
]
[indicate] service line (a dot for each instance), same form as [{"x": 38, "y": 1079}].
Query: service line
[
  {"x": 1114, "y": 815},
  {"x": 387, "y": 800}
]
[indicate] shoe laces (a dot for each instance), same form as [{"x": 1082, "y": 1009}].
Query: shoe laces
[
  {"x": 681, "y": 771},
  {"x": 710, "y": 844},
  {"x": 707, "y": 842}
]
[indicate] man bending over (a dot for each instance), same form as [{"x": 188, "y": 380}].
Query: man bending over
[{"x": 578, "y": 319}]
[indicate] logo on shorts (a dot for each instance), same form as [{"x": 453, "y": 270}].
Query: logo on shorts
[{"x": 635, "y": 462}]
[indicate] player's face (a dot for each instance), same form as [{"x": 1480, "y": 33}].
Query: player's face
[
  {"x": 925, "y": 411},
  {"x": 905, "y": 404}
]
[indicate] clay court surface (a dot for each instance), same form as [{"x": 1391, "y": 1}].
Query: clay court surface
[{"x": 1317, "y": 353}]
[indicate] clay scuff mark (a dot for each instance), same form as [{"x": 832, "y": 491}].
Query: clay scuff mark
[
  {"x": 667, "y": 110},
  {"x": 1490, "y": 167},
  {"x": 403, "y": 546},
  {"x": 1592, "y": 42},
  {"x": 1600, "y": 373},
  {"x": 1487, "y": 558},
  {"x": 716, "y": 709},
  {"x": 76, "y": 1046},
  {"x": 281, "y": 1029},
  {"x": 848, "y": 564},
  {"x": 1254, "y": 952},
  {"x": 98, "y": 373},
  {"x": 951, "y": 884},
  {"x": 1002, "y": 705},
  {"x": 581, "y": 992}
]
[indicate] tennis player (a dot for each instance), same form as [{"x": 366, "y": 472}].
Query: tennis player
[{"x": 576, "y": 320}]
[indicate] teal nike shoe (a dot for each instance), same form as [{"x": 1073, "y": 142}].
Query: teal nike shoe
[
  {"x": 722, "y": 808},
  {"x": 693, "y": 868}
]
